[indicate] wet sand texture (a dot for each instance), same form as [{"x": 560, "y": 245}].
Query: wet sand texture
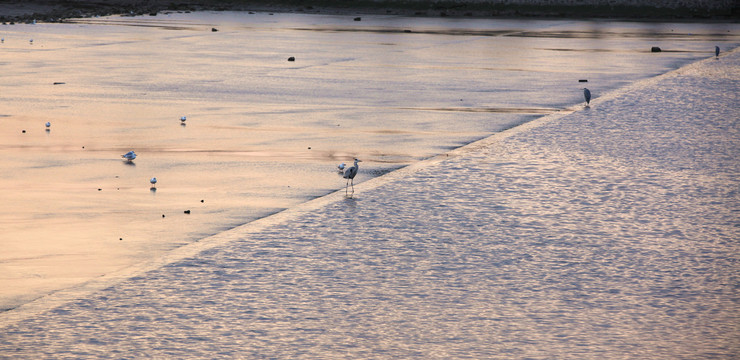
[
  {"x": 606, "y": 233},
  {"x": 263, "y": 134}
]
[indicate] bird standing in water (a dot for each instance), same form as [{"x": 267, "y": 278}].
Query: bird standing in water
[
  {"x": 587, "y": 95},
  {"x": 716, "y": 51},
  {"x": 349, "y": 174}
]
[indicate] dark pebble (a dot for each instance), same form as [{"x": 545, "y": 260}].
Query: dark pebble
[
  {"x": 358, "y": 19},
  {"x": 162, "y": 215},
  {"x": 292, "y": 58},
  {"x": 24, "y": 131},
  {"x": 187, "y": 211},
  {"x": 214, "y": 29},
  {"x": 583, "y": 80},
  {"x": 202, "y": 201},
  {"x": 655, "y": 49}
]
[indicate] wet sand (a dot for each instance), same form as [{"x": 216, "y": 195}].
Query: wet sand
[
  {"x": 263, "y": 134},
  {"x": 607, "y": 232}
]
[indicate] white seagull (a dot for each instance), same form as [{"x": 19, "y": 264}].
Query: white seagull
[
  {"x": 130, "y": 156},
  {"x": 48, "y": 124},
  {"x": 183, "y": 119},
  {"x": 349, "y": 174},
  {"x": 153, "y": 181},
  {"x": 341, "y": 167}
]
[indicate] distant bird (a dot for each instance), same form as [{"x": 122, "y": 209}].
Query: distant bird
[
  {"x": 716, "y": 51},
  {"x": 48, "y": 124},
  {"x": 153, "y": 181},
  {"x": 587, "y": 95},
  {"x": 349, "y": 174},
  {"x": 130, "y": 156},
  {"x": 341, "y": 167},
  {"x": 31, "y": 41},
  {"x": 182, "y": 119}
]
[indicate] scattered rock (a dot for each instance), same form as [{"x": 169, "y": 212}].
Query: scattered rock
[
  {"x": 23, "y": 131},
  {"x": 655, "y": 49},
  {"x": 292, "y": 58},
  {"x": 187, "y": 211},
  {"x": 162, "y": 215},
  {"x": 202, "y": 201},
  {"x": 59, "y": 83},
  {"x": 358, "y": 19},
  {"x": 120, "y": 239},
  {"x": 582, "y": 80},
  {"x": 214, "y": 29}
]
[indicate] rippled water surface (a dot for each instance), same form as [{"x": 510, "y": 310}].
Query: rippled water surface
[{"x": 263, "y": 133}]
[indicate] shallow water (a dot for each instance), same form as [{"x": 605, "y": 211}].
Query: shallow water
[
  {"x": 607, "y": 233},
  {"x": 262, "y": 133}
]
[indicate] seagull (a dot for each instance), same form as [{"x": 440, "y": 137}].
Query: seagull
[
  {"x": 587, "y": 95},
  {"x": 183, "y": 119},
  {"x": 48, "y": 124},
  {"x": 341, "y": 167},
  {"x": 349, "y": 174},
  {"x": 153, "y": 181},
  {"x": 130, "y": 156},
  {"x": 716, "y": 51}
]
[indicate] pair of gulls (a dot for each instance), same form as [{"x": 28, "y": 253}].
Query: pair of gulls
[{"x": 130, "y": 156}]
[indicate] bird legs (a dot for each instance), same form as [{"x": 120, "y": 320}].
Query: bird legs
[{"x": 349, "y": 182}]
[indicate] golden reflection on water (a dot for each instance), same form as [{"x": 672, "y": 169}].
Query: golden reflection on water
[{"x": 262, "y": 134}]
